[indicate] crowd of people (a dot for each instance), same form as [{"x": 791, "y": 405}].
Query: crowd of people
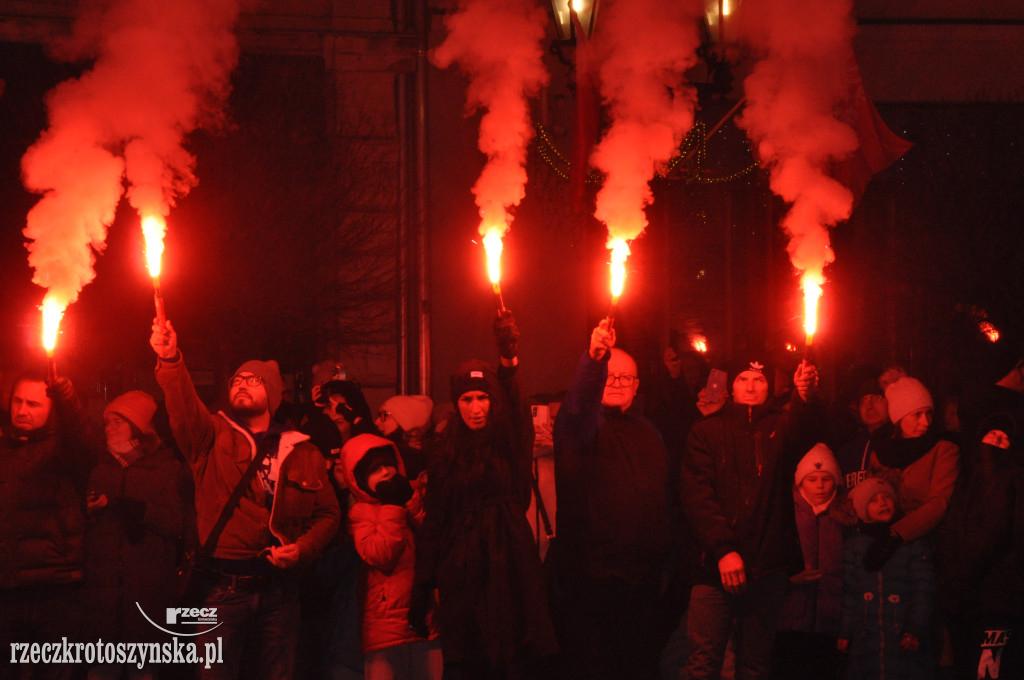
[{"x": 609, "y": 532}]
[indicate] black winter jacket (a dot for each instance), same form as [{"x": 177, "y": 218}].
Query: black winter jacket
[{"x": 737, "y": 481}]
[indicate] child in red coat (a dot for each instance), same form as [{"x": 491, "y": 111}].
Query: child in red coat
[{"x": 386, "y": 511}]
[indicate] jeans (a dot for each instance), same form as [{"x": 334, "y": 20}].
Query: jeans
[
  {"x": 751, "y": 618},
  {"x": 259, "y": 626},
  {"x": 419, "y": 660}
]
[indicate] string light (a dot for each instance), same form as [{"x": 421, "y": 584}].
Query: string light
[{"x": 694, "y": 143}]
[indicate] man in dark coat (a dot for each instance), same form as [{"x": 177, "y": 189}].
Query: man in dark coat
[
  {"x": 613, "y": 519},
  {"x": 45, "y": 458},
  {"x": 736, "y": 491}
]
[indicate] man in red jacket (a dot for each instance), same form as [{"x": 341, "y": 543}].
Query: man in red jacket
[{"x": 286, "y": 516}]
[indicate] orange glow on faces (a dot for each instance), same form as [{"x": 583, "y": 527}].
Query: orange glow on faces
[{"x": 700, "y": 343}]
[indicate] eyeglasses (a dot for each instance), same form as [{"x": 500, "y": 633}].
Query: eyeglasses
[
  {"x": 383, "y": 415},
  {"x": 624, "y": 380},
  {"x": 250, "y": 380}
]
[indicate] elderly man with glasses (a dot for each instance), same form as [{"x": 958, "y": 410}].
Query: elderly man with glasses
[
  {"x": 264, "y": 508},
  {"x": 613, "y": 520}
]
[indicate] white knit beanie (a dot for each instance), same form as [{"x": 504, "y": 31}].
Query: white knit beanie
[
  {"x": 409, "y": 410},
  {"x": 819, "y": 459},
  {"x": 907, "y": 395}
]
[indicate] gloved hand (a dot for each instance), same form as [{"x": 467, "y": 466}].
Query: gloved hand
[
  {"x": 394, "y": 491},
  {"x": 506, "y": 334},
  {"x": 419, "y": 604},
  {"x": 61, "y": 390},
  {"x": 880, "y": 550}
]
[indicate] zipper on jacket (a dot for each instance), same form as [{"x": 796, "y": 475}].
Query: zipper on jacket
[{"x": 758, "y": 453}]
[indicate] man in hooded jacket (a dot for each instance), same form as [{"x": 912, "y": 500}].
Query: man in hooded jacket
[{"x": 285, "y": 517}]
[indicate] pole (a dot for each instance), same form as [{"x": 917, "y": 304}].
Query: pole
[{"x": 158, "y": 303}]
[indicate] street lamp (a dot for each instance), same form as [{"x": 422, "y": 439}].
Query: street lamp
[
  {"x": 585, "y": 10},
  {"x": 720, "y": 17}
]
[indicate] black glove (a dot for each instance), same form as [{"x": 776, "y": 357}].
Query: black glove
[
  {"x": 419, "y": 604},
  {"x": 394, "y": 491},
  {"x": 506, "y": 333},
  {"x": 880, "y": 550},
  {"x": 61, "y": 390}
]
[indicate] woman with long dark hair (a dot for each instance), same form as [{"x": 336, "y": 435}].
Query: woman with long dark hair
[{"x": 476, "y": 546}]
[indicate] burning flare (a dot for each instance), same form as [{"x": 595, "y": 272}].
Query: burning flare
[
  {"x": 620, "y": 251},
  {"x": 792, "y": 96},
  {"x": 499, "y": 45},
  {"x": 159, "y": 70},
  {"x": 154, "y": 228},
  {"x": 811, "y": 284},
  {"x": 650, "y": 107},
  {"x": 493, "y": 246},
  {"x": 700, "y": 344},
  {"x": 53, "y": 312},
  {"x": 989, "y": 331}
]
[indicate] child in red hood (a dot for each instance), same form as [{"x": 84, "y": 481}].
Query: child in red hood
[{"x": 387, "y": 509}]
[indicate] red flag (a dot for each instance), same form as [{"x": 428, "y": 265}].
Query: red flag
[
  {"x": 584, "y": 129},
  {"x": 879, "y": 146}
]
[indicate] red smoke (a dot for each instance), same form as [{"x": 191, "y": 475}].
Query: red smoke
[
  {"x": 792, "y": 94},
  {"x": 160, "y": 70},
  {"x": 498, "y": 43},
  {"x": 647, "y": 45}
]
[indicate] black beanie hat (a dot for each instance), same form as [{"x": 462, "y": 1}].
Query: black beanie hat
[
  {"x": 474, "y": 375},
  {"x": 740, "y": 366},
  {"x": 374, "y": 458},
  {"x": 869, "y": 386}
]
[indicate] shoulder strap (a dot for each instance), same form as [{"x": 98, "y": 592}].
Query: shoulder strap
[
  {"x": 540, "y": 506},
  {"x": 207, "y": 548}
]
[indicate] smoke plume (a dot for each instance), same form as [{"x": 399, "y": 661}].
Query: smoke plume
[
  {"x": 160, "y": 69},
  {"x": 498, "y": 44},
  {"x": 645, "y": 47},
  {"x": 792, "y": 95}
]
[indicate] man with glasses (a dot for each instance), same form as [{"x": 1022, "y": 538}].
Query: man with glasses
[
  {"x": 613, "y": 525},
  {"x": 286, "y": 514}
]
